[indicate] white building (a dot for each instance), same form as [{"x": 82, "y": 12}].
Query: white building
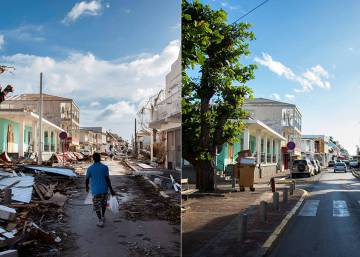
[
  {"x": 20, "y": 133},
  {"x": 166, "y": 118},
  {"x": 282, "y": 117}
]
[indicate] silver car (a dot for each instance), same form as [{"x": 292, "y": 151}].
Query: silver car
[{"x": 340, "y": 166}]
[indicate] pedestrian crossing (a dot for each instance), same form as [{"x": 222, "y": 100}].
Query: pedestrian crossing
[{"x": 340, "y": 208}]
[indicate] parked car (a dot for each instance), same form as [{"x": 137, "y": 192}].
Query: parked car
[
  {"x": 302, "y": 167},
  {"x": 340, "y": 166},
  {"x": 316, "y": 166},
  {"x": 347, "y": 162},
  {"x": 331, "y": 163},
  {"x": 354, "y": 164}
]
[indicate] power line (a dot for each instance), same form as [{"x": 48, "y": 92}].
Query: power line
[{"x": 246, "y": 14}]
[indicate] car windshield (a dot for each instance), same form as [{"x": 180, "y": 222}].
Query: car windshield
[
  {"x": 340, "y": 164},
  {"x": 297, "y": 162}
]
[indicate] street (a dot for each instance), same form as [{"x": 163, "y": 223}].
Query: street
[
  {"x": 327, "y": 223},
  {"x": 124, "y": 234}
]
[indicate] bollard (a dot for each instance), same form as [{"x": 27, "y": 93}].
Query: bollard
[
  {"x": 243, "y": 226},
  {"x": 272, "y": 184},
  {"x": 294, "y": 184},
  {"x": 263, "y": 211},
  {"x": 291, "y": 189},
  {"x": 285, "y": 195},
  {"x": 233, "y": 184},
  {"x": 7, "y": 196},
  {"x": 276, "y": 200}
]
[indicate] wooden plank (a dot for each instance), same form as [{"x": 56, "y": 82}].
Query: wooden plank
[
  {"x": 38, "y": 192},
  {"x": 184, "y": 181},
  {"x": 189, "y": 191}
]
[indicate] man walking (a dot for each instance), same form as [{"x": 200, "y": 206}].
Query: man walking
[{"x": 98, "y": 173}]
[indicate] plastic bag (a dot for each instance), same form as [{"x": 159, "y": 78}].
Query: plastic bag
[
  {"x": 88, "y": 199},
  {"x": 113, "y": 204}
]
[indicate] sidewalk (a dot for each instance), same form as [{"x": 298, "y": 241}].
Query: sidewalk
[{"x": 210, "y": 223}]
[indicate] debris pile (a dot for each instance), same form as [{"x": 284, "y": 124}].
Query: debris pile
[
  {"x": 31, "y": 208},
  {"x": 150, "y": 205}
]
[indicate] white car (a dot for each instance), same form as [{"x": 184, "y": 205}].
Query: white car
[
  {"x": 340, "y": 166},
  {"x": 316, "y": 166}
]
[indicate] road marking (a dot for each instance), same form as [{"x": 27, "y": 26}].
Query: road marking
[
  {"x": 310, "y": 208},
  {"x": 340, "y": 209}
]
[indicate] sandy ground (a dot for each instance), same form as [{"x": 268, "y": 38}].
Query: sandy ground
[{"x": 121, "y": 236}]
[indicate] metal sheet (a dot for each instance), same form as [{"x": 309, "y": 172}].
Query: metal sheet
[
  {"x": 145, "y": 166},
  {"x": 54, "y": 170},
  {"x": 22, "y": 191}
]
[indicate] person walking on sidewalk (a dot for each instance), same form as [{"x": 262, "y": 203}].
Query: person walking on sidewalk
[{"x": 98, "y": 175}]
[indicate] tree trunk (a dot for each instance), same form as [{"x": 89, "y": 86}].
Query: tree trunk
[{"x": 205, "y": 172}]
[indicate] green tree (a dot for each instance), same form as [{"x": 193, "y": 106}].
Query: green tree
[{"x": 213, "y": 95}]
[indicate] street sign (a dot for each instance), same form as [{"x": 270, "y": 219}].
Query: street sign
[
  {"x": 291, "y": 145},
  {"x": 63, "y": 135}
]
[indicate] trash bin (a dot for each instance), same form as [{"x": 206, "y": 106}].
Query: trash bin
[{"x": 245, "y": 173}]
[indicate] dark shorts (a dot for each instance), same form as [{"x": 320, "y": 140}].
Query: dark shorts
[{"x": 100, "y": 201}]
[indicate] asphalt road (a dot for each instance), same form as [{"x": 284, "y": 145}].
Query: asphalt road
[{"x": 327, "y": 223}]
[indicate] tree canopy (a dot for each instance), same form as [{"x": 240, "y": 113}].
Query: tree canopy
[{"x": 213, "y": 95}]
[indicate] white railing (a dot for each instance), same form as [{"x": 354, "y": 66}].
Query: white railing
[{"x": 170, "y": 106}]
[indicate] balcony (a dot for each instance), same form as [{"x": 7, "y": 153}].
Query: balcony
[{"x": 167, "y": 110}]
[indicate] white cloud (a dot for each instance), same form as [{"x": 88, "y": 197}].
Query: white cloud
[
  {"x": 315, "y": 76},
  {"x": 83, "y": 8},
  {"x": 2, "y": 41},
  {"x": 27, "y": 32},
  {"x": 94, "y": 104},
  {"x": 275, "y": 96},
  {"x": 290, "y": 97},
  {"x": 275, "y": 66},
  {"x": 117, "y": 111},
  {"x": 90, "y": 80}
]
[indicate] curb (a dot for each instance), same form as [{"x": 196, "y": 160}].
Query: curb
[{"x": 267, "y": 246}]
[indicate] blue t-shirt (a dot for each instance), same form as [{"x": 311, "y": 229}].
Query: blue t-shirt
[{"x": 97, "y": 174}]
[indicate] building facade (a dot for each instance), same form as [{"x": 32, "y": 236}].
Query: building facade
[
  {"x": 166, "y": 118},
  {"x": 282, "y": 117},
  {"x": 319, "y": 150},
  {"x": 61, "y": 111},
  {"x": 93, "y": 139},
  {"x": 264, "y": 144},
  {"x": 20, "y": 134}
]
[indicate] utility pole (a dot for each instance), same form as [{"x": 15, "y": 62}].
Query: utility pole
[
  {"x": 135, "y": 141},
  {"x": 41, "y": 128}
]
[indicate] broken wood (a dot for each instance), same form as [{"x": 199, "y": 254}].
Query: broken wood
[{"x": 38, "y": 192}]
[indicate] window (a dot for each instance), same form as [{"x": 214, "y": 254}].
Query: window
[
  {"x": 46, "y": 141},
  {"x": 262, "y": 150},
  {"x": 52, "y": 140},
  {"x": 268, "y": 151}
]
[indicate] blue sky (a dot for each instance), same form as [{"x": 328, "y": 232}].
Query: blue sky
[
  {"x": 109, "y": 55},
  {"x": 307, "y": 53}
]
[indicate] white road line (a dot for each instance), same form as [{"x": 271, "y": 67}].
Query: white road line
[
  {"x": 340, "y": 209},
  {"x": 310, "y": 208}
]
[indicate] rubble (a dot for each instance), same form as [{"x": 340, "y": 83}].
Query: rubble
[{"x": 31, "y": 210}]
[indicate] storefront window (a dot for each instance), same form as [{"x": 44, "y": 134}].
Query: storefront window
[
  {"x": 52, "y": 140},
  {"x": 46, "y": 141}
]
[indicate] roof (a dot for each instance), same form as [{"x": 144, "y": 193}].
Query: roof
[
  {"x": 27, "y": 113},
  {"x": 266, "y": 127},
  {"x": 265, "y": 101},
  {"x": 35, "y": 97},
  {"x": 313, "y": 137}
]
